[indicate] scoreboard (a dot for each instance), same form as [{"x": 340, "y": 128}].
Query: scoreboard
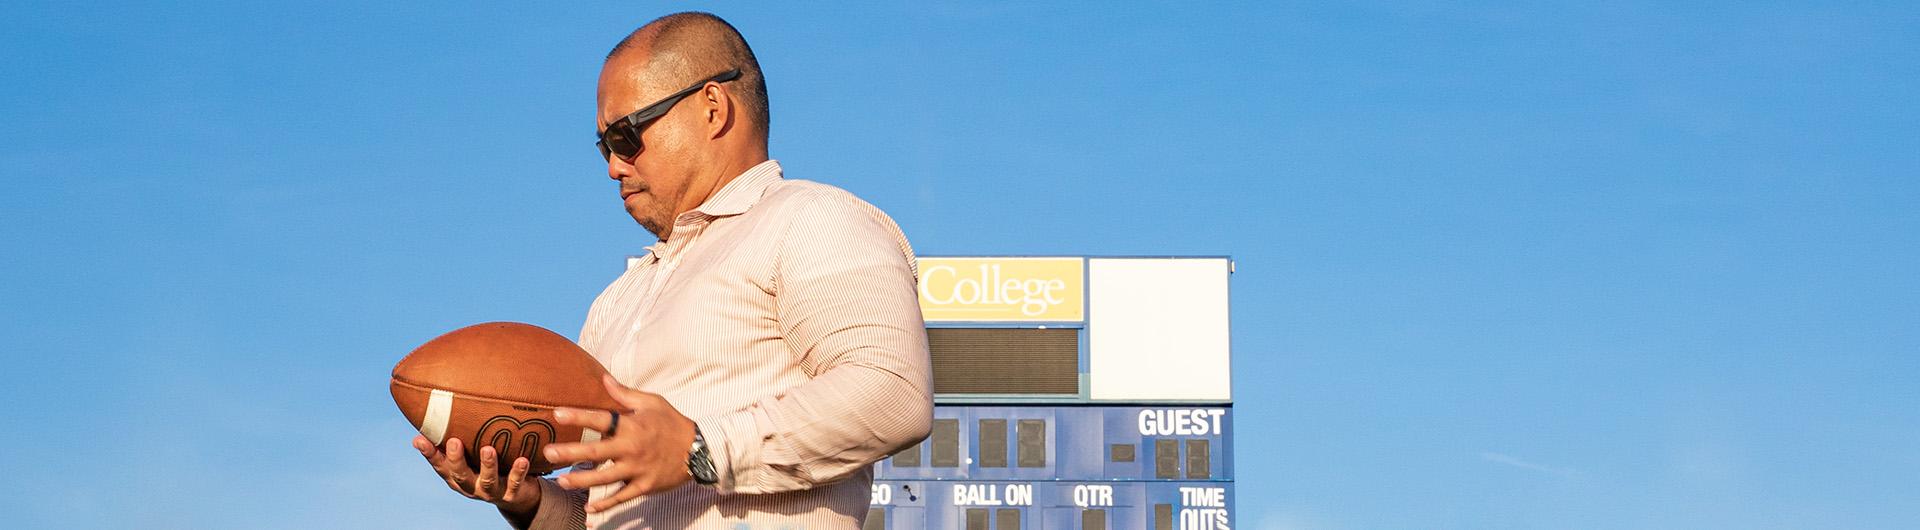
[{"x": 1086, "y": 393}]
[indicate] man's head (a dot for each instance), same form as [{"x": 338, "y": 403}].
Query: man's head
[{"x": 713, "y": 133}]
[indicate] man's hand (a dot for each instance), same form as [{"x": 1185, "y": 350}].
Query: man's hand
[
  {"x": 648, "y": 451},
  {"x": 514, "y": 495}
]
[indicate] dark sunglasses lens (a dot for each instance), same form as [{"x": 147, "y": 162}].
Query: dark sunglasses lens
[{"x": 616, "y": 143}]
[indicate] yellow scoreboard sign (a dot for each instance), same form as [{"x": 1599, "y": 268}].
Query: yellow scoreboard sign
[{"x": 1003, "y": 289}]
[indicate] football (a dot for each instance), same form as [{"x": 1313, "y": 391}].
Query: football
[{"x": 496, "y": 384}]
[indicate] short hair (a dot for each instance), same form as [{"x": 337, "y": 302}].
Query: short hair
[{"x": 702, "y": 44}]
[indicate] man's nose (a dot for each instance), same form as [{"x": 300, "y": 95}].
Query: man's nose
[{"x": 613, "y": 167}]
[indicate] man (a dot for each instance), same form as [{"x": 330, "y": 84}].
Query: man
[{"x": 768, "y": 349}]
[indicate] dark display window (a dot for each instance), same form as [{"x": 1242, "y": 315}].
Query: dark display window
[
  {"x": 993, "y": 443},
  {"x": 1006, "y": 519},
  {"x": 1005, "y": 360},
  {"x": 1199, "y": 459},
  {"x": 1166, "y": 458},
  {"x": 1091, "y": 519},
  {"x": 909, "y": 457},
  {"x": 946, "y": 443},
  {"x": 1033, "y": 442}
]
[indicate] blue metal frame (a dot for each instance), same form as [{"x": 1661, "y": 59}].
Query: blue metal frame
[
  {"x": 1078, "y": 440},
  {"x": 924, "y": 505}
]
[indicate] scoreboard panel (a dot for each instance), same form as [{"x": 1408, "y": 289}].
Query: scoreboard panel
[
  {"x": 990, "y": 505},
  {"x": 1070, "y": 393},
  {"x": 1004, "y": 467},
  {"x": 1070, "y": 442}
]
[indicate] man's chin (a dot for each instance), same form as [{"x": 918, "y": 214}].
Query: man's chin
[
  {"x": 637, "y": 210},
  {"x": 651, "y": 227}
]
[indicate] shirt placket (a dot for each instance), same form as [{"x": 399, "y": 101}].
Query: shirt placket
[{"x": 668, "y": 259}]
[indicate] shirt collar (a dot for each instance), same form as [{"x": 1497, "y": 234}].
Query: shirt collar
[
  {"x": 742, "y": 192},
  {"x": 734, "y": 198}
]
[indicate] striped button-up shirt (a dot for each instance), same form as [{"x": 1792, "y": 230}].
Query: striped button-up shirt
[{"x": 782, "y": 317}]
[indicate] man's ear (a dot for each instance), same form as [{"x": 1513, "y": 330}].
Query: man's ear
[{"x": 719, "y": 106}]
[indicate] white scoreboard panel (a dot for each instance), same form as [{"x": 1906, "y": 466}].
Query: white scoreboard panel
[{"x": 1157, "y": 329}]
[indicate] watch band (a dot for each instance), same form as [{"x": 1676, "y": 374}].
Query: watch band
[{"x": 700, "y": 461}]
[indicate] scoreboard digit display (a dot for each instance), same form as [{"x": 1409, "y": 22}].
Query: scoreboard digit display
[{"x": 1081, "y": 393}]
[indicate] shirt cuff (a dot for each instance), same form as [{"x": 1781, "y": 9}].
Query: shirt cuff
[
  {"x": 737, "y": 441},
  {"x": 721, "y": 441},
  {"x": 560, "y": 508}
]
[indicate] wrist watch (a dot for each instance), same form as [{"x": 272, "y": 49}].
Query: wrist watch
[{"x": 700, "y": 461}]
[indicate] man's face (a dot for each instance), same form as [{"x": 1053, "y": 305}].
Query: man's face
[{"x": 654, "y": 185}]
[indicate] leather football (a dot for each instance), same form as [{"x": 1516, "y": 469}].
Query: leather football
[{"x": 496, "y": 384}]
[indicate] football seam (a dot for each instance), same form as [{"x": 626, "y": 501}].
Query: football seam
[{"x": 483, "y": 397}]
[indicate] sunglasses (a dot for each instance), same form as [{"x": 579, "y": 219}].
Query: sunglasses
[{"x": 622, "y": 136}]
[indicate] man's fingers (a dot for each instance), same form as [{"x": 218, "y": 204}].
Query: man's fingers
[
  {"x": 598, "y": 420},
  {"x": 428, "y": 451},
  {"x": 606, "y": 474},
  {"x": 437, "y": 460},
  {"x": 627, "y": 397},
  {"x": 433, "y": 455},
  {"x": 489, "y": 474},
  {"x": 515, "y": 478},
  {"x": 454, "y": 462},
  {"x": 626, "y": 493},
  {"x": 600, "y": 451}
]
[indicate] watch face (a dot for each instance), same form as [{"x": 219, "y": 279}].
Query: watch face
[
  {"x": 700, "y": 461},
  {"x": 702, "y": 469}
]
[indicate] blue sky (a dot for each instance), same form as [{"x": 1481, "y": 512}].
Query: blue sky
[{"x": 1500, "y": 265}]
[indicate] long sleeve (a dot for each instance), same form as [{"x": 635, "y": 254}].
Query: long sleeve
[
  {"x": 560, "y": 509},
  {"x": 848, "y": 310}
]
